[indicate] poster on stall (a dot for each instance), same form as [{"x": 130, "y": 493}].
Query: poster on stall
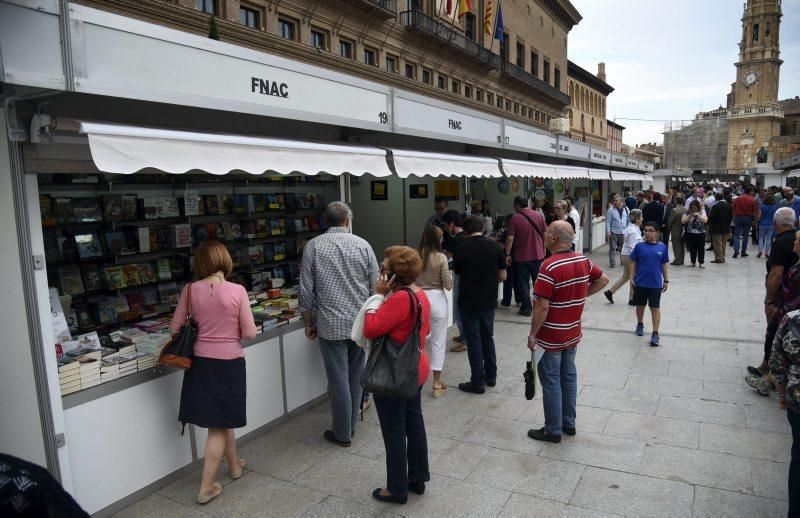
[{"x": 192, "y": 199}]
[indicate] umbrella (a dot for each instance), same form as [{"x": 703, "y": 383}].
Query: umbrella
[{"x": 530, "y": 379}]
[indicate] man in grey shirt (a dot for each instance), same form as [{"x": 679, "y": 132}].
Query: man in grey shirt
[{"x": 337, "y": 275}]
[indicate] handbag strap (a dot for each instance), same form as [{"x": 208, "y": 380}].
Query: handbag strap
[
  {"x": 189, "y": 301},
  {"x": 416, "y": 309}
]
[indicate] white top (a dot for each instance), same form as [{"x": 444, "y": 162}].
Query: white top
[
  {"x": 576, "y": 217},
  {"x": 631, "y": 236}
]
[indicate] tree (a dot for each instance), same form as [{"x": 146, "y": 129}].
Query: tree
[{"x": 213, "y": 33}]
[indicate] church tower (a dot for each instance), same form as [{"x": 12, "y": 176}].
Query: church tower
[{"x": 755, "y": 115}]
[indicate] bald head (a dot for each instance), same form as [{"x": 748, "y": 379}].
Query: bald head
[{"x": 563, "y": 232}]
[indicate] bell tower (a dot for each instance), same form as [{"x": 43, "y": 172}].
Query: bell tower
[{"x": 756, "y": 116}]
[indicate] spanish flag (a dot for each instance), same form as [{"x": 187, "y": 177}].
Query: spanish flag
[
  {"x": 464, "y": 6},
  {"x": 487, "y": 18}
]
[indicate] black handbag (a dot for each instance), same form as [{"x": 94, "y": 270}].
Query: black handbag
[
  {"x": 179, "y": 351},
  {"x": 392, "y": 370}
]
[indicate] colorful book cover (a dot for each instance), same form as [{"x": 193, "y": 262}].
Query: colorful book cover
[
  {"x": 86, "y": 210},
  {"x": 164, "y": 269},
  {"x": 106, "y": 311},
  {"x": 211, "y": 231},
  {"x": 129, "y": 207},
  {"x": 261, "y": 228},
  {"x": 256, "y": 254},
  {"x": 259, "y": 202},
  {"x": 62, "y": 210},
  {"x": 112, "y": 208},
  {"x": 71, "y": 281},
  {"x": 250, "y": 230},
  {"x": 236, "y": 231},
  {"x": 277, "y": 226},
  {"x": 131, "y": 273},
  {"x": 115, "y": 279},
  {"x": 150, "y": 206},
  {"x": 280, "y": 251},
  {"x": 131, "y": 239},
  {"x": 183, "y": 235},
  {"x": 269, "y": 252},
  {"x": 168, "y": 207},
  {"x": 227, "y": 229},
  {"x": 89, "y": 245},
  {"x": 46, "y": 210},
  {"x": 84, "y": 316},
  {"x": 225, "y": 203},
  {"x": 93, "y": 278},
  {"x": 150, "y": 295},
  {"x": 212, "y": 205},
  {"x": 135, "y": 301},
  {"x": 239, "y": 203},
  {"x": 200, "y": 234},
  {"x": 164, "y": 238},
  {"x": 147, "y": 272},
  {"x": 116, "y": 242},
  {"x": 221, "y": 235}
]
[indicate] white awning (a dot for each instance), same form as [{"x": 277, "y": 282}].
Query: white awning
[
  {"x": 528, "y": 169},
  {"x": 794, "y": 174},
  {"x": 599, "y": 174},
  {"x": 128, "y": 149},
  {"x": 623, "y": 175},
  {"x": 648, "y": 178},
  {"x": 419, "y": 163},
  {"x": 567, "y": 172}
]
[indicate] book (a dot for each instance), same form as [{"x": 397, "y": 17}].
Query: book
[
  {"x": 168, "y": 207},
  {"x": 143, "y": 238},
  {"x": 51, "y": 249},
  {"x": 200, "y": 234},
  {"x": 115, "y": 279},
  {"x": 70, "y": 279},
  {"x": 93, "y": 278},
  {"x": 116, "y": 243},
  {"x": 221, "y": 235},
  {"x": 131, "y": 239},
  {"x": 168, "y": 293},
  {"x": 269, "y": 252},
  {"x": 86, "y": 210},
  {"x": 250, "y": 230},
  {"x": 105, "y": 311},
  {"x": 227, "y": 229},
  {"x": 112, "y": 207},
  {"x": 88, "y": 245},
  {"x": 163, "y": 238},
  {"x": 211, "y": 231},
  {"x": 46, "y": 210},
  {"x": 261, "y": 228},
  {"x": 212, "y": 204},
  {"x": 256, "y": 254},
  {"x": 150, "y": 295},
  {"x": 239, "y": 203},
  {"x": 164, "y": 269},
  {"x": 150, "y": 207},
  {"x": 280, "y": 252},
  {"x": 277, "y": 226},
  {"x": 147, "y": 272},
  {"x": 129, "y": 207},
  {"x": 62, "y": 210},
  {"x": 72, "y": 320},
  {"x": 131, "y": 273},
  {"x": 259, "y": 202},
  {"x": 183, "y": 235},
  {"x": 135, "y": 301},
  {"x": 224, "y": 203},
  {"x": 90, "y": 341},
  {"x": 84, "y": 316}
]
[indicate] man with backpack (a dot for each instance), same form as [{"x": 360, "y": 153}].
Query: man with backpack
[{"x": 526, "y": 236}]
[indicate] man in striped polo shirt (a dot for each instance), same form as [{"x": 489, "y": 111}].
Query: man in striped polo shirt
[{"x": 565, "y": 279}]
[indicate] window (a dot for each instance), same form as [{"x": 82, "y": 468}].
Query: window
[
  {"x": 516, "y": 108},
  {"x": 500, "y": 102},
  {"x": 442, "y": 82},
  {"x": 468, "y": 91},
  {"x": 345, "y": 48},
  {"x": 524, "y": 111},
  {"x": 535, "y": 64},
  {"x": 489, "y": 98},
  {"x": 521, "y": 55},
  {"x": 537, "y": 116},
  {"x": 557, "y": 78},
  {"x": 592, "y": 125},
  {"x": 370, "y": 57},
  {"x": 319, "y": 40},
  {"x": 249, "y": 17},
  {"x": 755, "y": 33},
  {"x": 546, "y": 72},
  {"x": 427, "y": 76},
  {"x": 455, "y": 86},
  {"x": 207, "y": 6},
  {"x": 287, "y": 29},
  {"x": 411, "y": 70},
  {"x": 601, "y": 127},
  {"x": 479, "y": 95},
  {"x": 508, "y": 105},
  {"x": 766, "y": 31},
  {"x": 391, "y": 63},
  {"x": 469, "y": 26},
  {"x": 530, "y": 113}
]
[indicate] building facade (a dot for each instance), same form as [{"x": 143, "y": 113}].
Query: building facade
[
  {"x": 700, "y": 146},
  {"x": 587, "y": 113},
  {"x": 614, "y": 135},
  {"x": 649, "y": 152},
  {"x": 755, "y": 116}
]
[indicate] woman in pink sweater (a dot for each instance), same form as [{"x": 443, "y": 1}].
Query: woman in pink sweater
[{"x": 215, "y": 388}]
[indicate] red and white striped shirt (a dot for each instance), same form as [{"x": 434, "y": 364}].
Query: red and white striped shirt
[{"x": 564, "y": 280}]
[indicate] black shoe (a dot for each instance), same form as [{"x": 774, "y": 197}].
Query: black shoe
[
  {"x": 416, "y": 487},
  {"x": 754, "y": 371},
  {"x": 542, "y": 435},
  {"x": 331, "y": 437},
  {"x": 491, "y": 383},
  {"x": 609, "y": 296},
  {"x": 709, "y": 249},
  {"x": 505, "y": 305},
  {"x": 744, "y": 254},
  {"x": 525, "y": 312},
  {"x": 391, "y": 498},
  {"x": 469, "y": 387},
  {"x": 735, "y": 255},
  {"x": 567, "y": 430},
  {"x": 631, "y": 303}
]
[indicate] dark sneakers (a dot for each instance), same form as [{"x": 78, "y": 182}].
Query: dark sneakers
[
  {"x": 525, "y": 312},
  {"x": 416, "y": 487},
  {"x": 609, "y": 296},
  {"x": 567, "y": 430},
  {"x": 390, "y": 498},
  {"x": 469, "y": 387},
  {"x": 331, "y": 437},
  {"x": 542, "y": 435},
  {"x": 491, "y": 383}
]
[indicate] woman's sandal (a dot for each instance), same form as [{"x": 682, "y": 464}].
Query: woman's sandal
[
  {"x": 238, "y": 474},
  {"x": 206, "y": 498},
  {"x": 440, "y": 391}
]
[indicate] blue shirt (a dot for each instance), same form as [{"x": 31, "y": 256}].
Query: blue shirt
[
  {"x": 767, "y": 215},
  {"x": 648, "y": 258},
  {"x": 631, "y": 202},
  {"x": 795, "y": 205},
  {"x": 616, "y": 222}
]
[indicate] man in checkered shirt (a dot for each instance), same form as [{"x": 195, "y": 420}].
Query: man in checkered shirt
[{"x": 338, "y": 274}]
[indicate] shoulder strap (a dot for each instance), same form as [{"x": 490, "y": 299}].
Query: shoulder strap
[
  {"x": 531, "y": 221},
  {"x": 189, "y": 301},
  {"x": 416, "y": 308}
]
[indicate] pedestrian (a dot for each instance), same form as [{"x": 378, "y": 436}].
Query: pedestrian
[
  {"x": 480, "y": 263},
  {"x": 696, "y": 194},
  {"x": 617, "y": 218},
  {"x": 337, "y": 275},
  {"x": 486, "y": 212},
  {"x": 434, "y": 280},
  {"x": 401, "y": 421},
  {"x": 501, "y": 232},
  {"x": 573, "y": 213},
  {"x": 785, "y": 366},
  {"x": 559, "y": 214},
  {"x": 525, "y": 249},
  {"x": 766, "y": 226},
  {"x": 631, "y": 237},
  {"x": 719, "y": 226},
  {"x": 668, "y": 205},
  {"x": 650, "y": 278},
  {"x": 567, "y": 278},
  {"x": 640, "y": 201},
  {"x": 695, "y": 234},
  {"x": 630, "y": 200},
  {"x": 791, "y": 201},
  {"x": 214, "y": 390},
  {"x": 745, "y": 211},
  {"x": 454, "y": 235},
  {"x": 439, "y": 207},
  {"x": 654, "y": 211},
  {"x": 783, "y": 257},
  {"x": 676, "y": 230}
]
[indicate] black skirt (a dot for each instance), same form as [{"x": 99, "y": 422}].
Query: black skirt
[{"x": 214, "y": 394}]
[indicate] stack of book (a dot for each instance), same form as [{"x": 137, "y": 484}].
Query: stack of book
[
  {"x": 153, "y": 343},
  {"x": 90, "y": 370},
  {"x": 69, "y": 375},
  {"x": 145, "y": 360},
  {"x": 109, "y": 369}
]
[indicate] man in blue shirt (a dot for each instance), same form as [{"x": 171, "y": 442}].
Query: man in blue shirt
[
  {"x": 791, "y": 201},
  {"x": 616, "y": 221},
  {"x": 649, "y": 277},
  {"x": 630, "y": 200}
]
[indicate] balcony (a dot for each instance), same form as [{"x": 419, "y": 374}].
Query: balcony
[
  {"x": 528, "y": 79},
  {"x": 445, "y": 35},
  {"x": 386, "y": 9}
]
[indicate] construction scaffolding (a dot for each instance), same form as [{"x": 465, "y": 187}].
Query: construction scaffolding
[{"x": 700, "y": 145}]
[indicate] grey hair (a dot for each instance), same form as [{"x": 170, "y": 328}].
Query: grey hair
[
  {"x": 635, "y": 215},
  {"x": 785, "y": 217},
  {"x": 564, "y": 236},
  {"x": 337, "y": 213},
  {"x": 617, "y": 197},
  {"x": 562, "y": 203}
]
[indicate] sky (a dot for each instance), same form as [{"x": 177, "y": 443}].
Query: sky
[{"x": 669, "y": 59}]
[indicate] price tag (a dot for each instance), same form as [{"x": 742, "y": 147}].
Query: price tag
[
  {"x": 280, "y": 257},
  {"x": 274, "y": 206},
  {"x": 276, "y": 232}
]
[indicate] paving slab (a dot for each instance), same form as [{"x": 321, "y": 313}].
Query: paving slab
[
  {"x": 770, "y": 479},
  {"x": 156, "y": 505},
  {"x": 622, "y": 400},
  {"x": 450, "y": 497},
  {"x": 756, "y": 444},
  {"x": 719, "y": 470},
  {"x": 715, "y": 503},
  {"x": 524, "y": 506},
  {"x": 769, "y": 418},
  {"x": 333, "y": 507},
  {"x": 280, "y": 457},
  {"x": 597, "y": 450},
  {"x": 695, "y": 409},
  {"x": 653, "y": 429}
]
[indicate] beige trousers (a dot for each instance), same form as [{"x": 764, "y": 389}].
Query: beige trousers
[{"x": 626, "y": 275}]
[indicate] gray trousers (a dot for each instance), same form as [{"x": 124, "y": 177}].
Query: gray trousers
[
  {"x": 344, "y": 363},
  {"x": 614, "y": 241}
]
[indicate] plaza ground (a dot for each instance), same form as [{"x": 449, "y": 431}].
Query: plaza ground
[{"x": 667, "y": 431}]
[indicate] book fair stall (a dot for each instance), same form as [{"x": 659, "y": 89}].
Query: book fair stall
[{"x": 113, "y": 172}]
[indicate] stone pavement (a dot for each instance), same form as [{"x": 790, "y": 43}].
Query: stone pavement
[{"x": 668, "y": 431}]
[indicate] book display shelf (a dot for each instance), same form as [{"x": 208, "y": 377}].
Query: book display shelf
[{"x": 119, "y": 249}]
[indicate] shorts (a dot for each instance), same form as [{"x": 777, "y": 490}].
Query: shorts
[{"x": 647, "y": 297}]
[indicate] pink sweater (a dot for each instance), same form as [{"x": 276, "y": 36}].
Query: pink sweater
[{"x": 223, "y": 318}]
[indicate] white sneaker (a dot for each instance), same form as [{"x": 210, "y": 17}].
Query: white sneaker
[{"x": 758, "y": 383}]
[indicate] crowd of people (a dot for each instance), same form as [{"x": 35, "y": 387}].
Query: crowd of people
[{"x": 362, "y": 311}]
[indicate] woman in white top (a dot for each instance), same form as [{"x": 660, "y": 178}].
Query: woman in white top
[
  {"x": 434, "y": 279},
  {"x": 630, "y": 237},
  {"x": 576, "y": 217}
]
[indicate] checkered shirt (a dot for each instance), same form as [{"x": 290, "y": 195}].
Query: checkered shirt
[{"x": 338, "y": 274}]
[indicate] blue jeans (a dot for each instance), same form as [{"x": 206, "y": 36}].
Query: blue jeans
[
  {"x": 510, "y": 284},
  {"x": 742, "y": 231},
  {"x": 794, "y": 466},
  {"x": 524, "y": 271},
  {"x": 344, "y": 363},
  {"x": 559, "y": 381},
  {"x": 765, "y": 233},
  {"x": 479, "y": 335},
  {"x": 405, "y": 441}
]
